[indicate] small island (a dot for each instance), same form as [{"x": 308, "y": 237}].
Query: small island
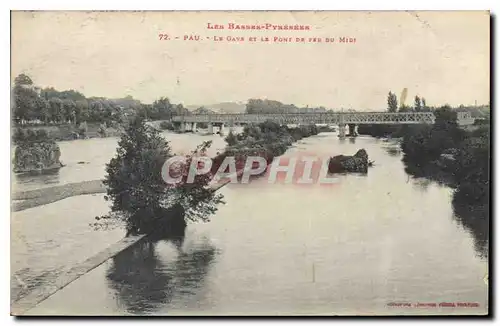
[{"x": 35, "y": 152}]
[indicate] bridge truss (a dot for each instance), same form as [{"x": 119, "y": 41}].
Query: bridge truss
[{"x": 323, "y": 118}]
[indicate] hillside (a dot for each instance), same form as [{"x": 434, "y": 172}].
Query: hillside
[{"x": 224, "y": 107}]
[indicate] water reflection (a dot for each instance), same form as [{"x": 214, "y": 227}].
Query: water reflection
[
  {"x": 473, "y": 215},
  {"x": 393, "y": 151},
  {"x": 474, "y": 218},
  {"x": 38, "y": 177},
  {"x": 148, "y": 276}
]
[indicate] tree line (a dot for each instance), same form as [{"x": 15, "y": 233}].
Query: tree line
[
  {"x": 258, "y": 106},
  {"x": 419, "y": 104},
  {"x": 32, "y": 104},
  {"x": 461, "y": 159}
]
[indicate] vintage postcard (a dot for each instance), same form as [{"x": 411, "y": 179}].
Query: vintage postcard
[{"x": 250, "y": 163}]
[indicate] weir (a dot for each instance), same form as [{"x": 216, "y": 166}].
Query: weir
[{"x": 40, "y": 294}]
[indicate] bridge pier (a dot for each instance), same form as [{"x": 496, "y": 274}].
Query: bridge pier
[
  {"x": 342, "y": 130},
  {"x": 210, "y": 128},
  {"x": 193, "y": 127},
  {"x": 232, "y": 127},
  {"x": 222, "y": 130},
  {"x": 182, "y": 127},
  {"x": 352, "y": 130}
]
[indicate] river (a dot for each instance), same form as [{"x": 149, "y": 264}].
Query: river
[{"x": 354, "y": 247}]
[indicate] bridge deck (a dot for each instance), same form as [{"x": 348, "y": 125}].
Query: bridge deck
[{"x": 324, "y": 118}]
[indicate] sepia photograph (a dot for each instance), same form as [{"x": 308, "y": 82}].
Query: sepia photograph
[{"x": 250, "y": 163}]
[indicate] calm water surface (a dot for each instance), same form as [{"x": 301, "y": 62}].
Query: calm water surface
[{"x": 352, "y": 247}]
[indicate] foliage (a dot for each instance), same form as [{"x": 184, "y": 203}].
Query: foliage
[
  {"x": 392, "y": 102},
  {"x": 267, "y": 139},
  {"x": 167, "y": 125},
  {"x": 418, "y": 104},
  {"x": 35, "y": 150},
  {"x": 231, "y": 139},
  {"x": 427, "y": 143},
  {"x": 135, "y": 186},
  {"x": 265, "y": 106},
  {"x": 21, "y": 136},
  {"x": 50, "y": 106},
  {"x": 378, "y": 130},
  {"x": 467, "y": 171}
]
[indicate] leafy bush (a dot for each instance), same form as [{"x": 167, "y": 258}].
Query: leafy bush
[{"x": 139, "y": 195}]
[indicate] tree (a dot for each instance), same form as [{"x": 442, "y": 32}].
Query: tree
[
  {"x": 405, "y": 108},
  {"x": 23, "y": 80},
  {"x": 24, "y": 98},
  {"x": 42, "y": 109},
  {"x": 424, "y": 104},
  {"x": 55, "y": 110},
  {"x": 139, "y": 195},
  {"x": 231, "y": 139},
  {"x": 82, "y": 111},
  {"x": 69, "y": 108},
  {"x": 162, "y": 109},
  {"x": 392, "y": 102},
  {"x": 418, "y": 104}
]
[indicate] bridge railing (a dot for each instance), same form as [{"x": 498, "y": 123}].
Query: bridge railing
[{"x": 324, "y": 117}]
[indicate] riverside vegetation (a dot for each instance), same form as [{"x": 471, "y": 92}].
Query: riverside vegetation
[
  {"x": 447, "y": 154},
  {"x": 138, "y": 194},
  {"x": 145, "y": 204},
  {"x": 460, "y": 159},
  {"x": 267, "y": 139}
]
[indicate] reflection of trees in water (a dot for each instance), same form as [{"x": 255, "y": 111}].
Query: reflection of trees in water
[
  {"x": 471, "y": 213},
  {"x": 144, "y": 283},
  {"x": 393, "y": 151},
  {"x": 422, "y": 184},
  {"x": 427, "y": 171},
  {"x": 39, "y": 177},
  {"x": 474, "y": 218}
]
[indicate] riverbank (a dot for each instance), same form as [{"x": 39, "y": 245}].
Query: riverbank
[
  {"x": 460, "y": 160},
  {"x": 70, "y": 131}
]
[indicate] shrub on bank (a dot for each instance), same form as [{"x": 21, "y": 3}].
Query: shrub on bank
[{"x": 167, "y": 125}]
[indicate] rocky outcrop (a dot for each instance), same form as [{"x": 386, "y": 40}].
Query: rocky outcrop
[
  {"x": 36, "y": 156},
  {"x": 343, "y": 163}
]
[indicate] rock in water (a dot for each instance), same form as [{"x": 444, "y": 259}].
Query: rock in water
[
  {"x": 36, "y": 156},
  {"x": 356, "y": 163}
]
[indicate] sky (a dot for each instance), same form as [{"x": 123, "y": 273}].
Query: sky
[{"x": 442, "y": 56}]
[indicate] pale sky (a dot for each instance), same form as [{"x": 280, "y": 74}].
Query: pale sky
[{"x": 442, "y": 56}]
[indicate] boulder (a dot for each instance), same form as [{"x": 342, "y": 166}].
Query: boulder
[
  {"x": 36, "y": 156},
  {"x": 355, "y": 163}
]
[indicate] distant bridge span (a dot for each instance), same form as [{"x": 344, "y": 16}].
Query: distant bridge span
[{"x": 338, "y": 118}]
